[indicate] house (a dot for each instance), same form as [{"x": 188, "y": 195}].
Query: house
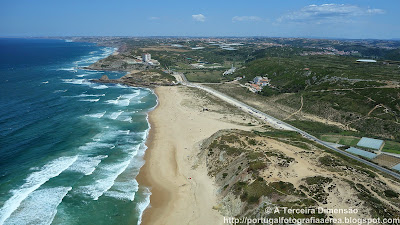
[
  {"x": 262, "y": 81},
  {"x": 255, "y": 87},
  {"x": 257, "y": 79}
]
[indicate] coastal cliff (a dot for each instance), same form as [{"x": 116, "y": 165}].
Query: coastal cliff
[{"x": 119, "y": 62}]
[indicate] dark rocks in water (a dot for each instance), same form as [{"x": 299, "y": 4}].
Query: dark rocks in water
[{"x": 104, "y": 78}]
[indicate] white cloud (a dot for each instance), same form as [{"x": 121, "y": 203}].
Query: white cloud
[
  {"x": 199, "y": 17},
  {"x": 328, "y": 13},
  {"x": 376, "y": 11},
  {"x": 153, "y": 18},
  {"x": 245, "y": 18}
]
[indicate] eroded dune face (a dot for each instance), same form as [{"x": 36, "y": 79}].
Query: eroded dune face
[{"x": 256, "y": 171}]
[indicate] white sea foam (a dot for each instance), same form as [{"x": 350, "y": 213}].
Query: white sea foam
[
  {"x": 76, "y": 81},
  {"x": 89, "y": 100},
  {"x": 124, "y": 100},
  {"x": 68, "y": 69},
  {"x": 109, "y": 174},
  {"x": 86, "y": 164},
  {"x": 131, "y": 96},
  {"x": 122, "y": 86},
  {"x": 58, "y": 91},
  {"x": 101, "y": 140},
  {"x": 40, "y": 207},
  {"x": 114, "y": 101},
  {"x": 96, "y": 115},
  {"x": 127, "y": 119},
  {"x": 115, "y": 115},
  {"x": 84, "y": 82},
  {"x": 141, "y": 206},
  {"x": 146, "y": 193},
  {"x": 123, "y": 190},
  {"x": 88, "y": 73},
  {"x": 94, "y": 56},
  {"x": 108, "y": 135},
  {"x": 95, "y": 145},
  {"x": 124, "y": 132},
  {"x": 86, "y": 95},
  {"x": 91, "y": 72},
  {"x": 33, "y": 182},
  {"x": 102, "y": 86}
]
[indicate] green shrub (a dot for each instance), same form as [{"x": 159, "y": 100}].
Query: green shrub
[{"x": 391, "y": 194}]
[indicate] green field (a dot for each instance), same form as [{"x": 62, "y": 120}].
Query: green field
[
  {"x": 392, "y": 147},
  {"x": 343, "y": 140},
  {"x": 205, "y": 76},
  {"x": 315, "y": 128}
]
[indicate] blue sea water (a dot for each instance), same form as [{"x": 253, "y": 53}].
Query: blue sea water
[{"x": 69, "y": 149}]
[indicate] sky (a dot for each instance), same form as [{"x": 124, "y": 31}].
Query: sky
[{"x": 354, "y": 19}]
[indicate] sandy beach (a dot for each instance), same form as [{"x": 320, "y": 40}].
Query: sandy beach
[{"x": 182, "y": 192}]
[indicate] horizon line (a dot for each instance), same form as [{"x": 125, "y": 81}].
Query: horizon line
[{"x": 189, "y": 36}]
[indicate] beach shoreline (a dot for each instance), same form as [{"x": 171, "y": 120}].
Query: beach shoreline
[
  {"x": 143, "y": 179},
  {"x": 181, "y": 190}
]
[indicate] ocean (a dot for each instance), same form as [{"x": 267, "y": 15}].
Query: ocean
[{"x": 69, "y": 149}]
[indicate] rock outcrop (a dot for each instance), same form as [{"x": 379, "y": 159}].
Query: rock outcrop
[
  {"x": 104, "y": 78},
  {"x": 141, "y": 79}
]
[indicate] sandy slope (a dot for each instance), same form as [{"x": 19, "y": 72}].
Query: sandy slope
[{"x": 182, "y": 193}]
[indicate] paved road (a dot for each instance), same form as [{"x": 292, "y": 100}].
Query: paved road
[{"x": 280, "y": 124}]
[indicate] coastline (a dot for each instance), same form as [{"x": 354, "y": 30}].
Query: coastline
[
  {"x": 157, "y": 194},
  {"x": 148, "y": 141},
  {"x": 181, "y": 190}
]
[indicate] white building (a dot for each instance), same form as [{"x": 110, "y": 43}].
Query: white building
[
  {"x": 367, "y": 60},
  {"x": 146, "y": 57},
  {"x": 230, "y": 71}
]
